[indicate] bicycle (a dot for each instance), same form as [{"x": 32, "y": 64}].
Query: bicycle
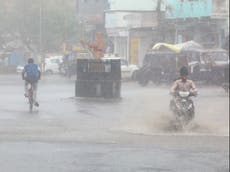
[{"x": 30, "y": 97}]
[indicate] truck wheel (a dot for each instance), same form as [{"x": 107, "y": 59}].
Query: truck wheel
[{"x": 134, "y": 75}]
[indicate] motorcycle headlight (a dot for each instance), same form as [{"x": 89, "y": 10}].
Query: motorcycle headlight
[{"x": 183, "y": 93}]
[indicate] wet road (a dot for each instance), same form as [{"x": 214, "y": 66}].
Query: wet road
[{"x": 133, "y": 134}]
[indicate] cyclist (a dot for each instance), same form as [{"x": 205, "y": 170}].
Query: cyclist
[{"x": 31, "y": 74}]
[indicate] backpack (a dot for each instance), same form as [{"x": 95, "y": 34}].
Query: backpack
[{"x": 32, "y": 72}]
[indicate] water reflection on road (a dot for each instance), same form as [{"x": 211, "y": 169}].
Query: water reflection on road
[{"x": 141, "y": 110}]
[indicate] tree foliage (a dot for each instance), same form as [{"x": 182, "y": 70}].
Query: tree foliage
[{"x": 45, "y": 24}]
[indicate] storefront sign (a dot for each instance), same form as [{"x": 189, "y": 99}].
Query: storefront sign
[{"x": 188, "y": 8}]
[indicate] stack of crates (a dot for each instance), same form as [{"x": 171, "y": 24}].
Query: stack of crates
[{"x": 98, "y": 78}]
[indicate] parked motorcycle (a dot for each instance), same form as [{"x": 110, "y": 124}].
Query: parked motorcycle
[{"x": 183, "y": 108}]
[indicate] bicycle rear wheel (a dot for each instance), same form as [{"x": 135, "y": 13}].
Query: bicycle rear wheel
[
  {"x": 31, "y": 107},
  {"x": 31, "y": 101}
]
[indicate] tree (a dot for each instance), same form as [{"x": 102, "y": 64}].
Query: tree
[{"x": 52, "y": 22}]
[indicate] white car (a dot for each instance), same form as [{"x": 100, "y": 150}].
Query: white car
[
  {"x": 128, "y": 71},
  {"x": 52, "y": 64},
  {"x": 19, "y": 68}
]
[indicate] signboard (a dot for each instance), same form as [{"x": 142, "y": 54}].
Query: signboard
[
  {"x": 122, "y": 19},
  {"x": 116, "y": 32},
  {"x": 187, "y": 8}
]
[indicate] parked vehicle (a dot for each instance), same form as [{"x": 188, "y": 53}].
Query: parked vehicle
[
  {"x": 161, "y": 64},
  {"x": 19, "y": 68},
  {"x": 158, "y": 67},
  {"x": 68, "y": 66},
  {"x": 208, "y": 65},
  {"x": 128, "y": 71},
  {"x": 52, "y": 64}
]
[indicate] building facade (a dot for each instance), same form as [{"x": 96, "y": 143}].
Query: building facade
[
  {"x": 131, "y": 33},
  {"x": 130, "y": 25},
  {"x": 133, "y": 29},
  {"x": 205, "y": 21}
]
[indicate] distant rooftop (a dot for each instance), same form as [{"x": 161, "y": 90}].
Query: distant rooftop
[{"x": 139, "y": 5}]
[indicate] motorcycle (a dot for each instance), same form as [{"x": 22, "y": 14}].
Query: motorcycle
[{"x": 183, "y": 108}]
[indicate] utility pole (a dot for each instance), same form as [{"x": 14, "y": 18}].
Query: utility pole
[
  {"x": 158, "y": 12},
  {"x": 80, "y": 19},
  {"x": 40, "y": 27},
  {"x": 159, "y": 17},
  {"x": 65, "y": 24},
  {"x": 42, "y": 60}
]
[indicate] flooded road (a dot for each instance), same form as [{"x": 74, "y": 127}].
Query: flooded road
[{"x": 134, "y": 133}]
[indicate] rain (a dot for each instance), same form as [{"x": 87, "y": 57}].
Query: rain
[{"x": 99, "y": 86}]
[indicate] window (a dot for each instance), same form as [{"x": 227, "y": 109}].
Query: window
[
  {"x": 218, "y": 56},
  {"x": 54, "y": 61}
]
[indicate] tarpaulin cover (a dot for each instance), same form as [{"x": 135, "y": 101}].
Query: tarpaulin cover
[{"x": 186, "y": 46}]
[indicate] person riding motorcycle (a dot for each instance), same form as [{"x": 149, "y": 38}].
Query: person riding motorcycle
[
  {"x": 31, "y": 74},
  {"x": 183, "y": 84}
]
